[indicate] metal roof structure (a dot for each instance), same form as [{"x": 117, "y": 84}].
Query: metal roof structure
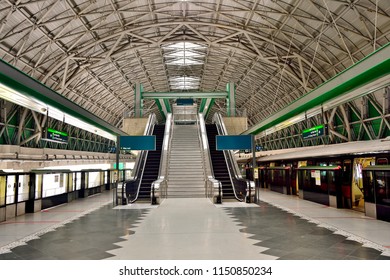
[{"x": 93, "y": 52}]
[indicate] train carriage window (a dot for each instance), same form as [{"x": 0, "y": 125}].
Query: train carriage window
[
  {"x": 347, "y": 172},
  {"x": 369, "y": 190},
  {"x": 332, "y": 183},
  {"x": 382, "y": 187},
  {"x": 324, "y": 181},
  {"x": 304, "y": 179}
]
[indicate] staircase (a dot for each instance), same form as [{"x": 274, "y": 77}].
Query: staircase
[
  {"x": 218, "y": 161},
  {"x": 185, "y": 171},
  {"x": 152, "y": 165}
]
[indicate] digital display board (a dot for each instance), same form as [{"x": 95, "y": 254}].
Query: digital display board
[
  {"x": 185, "y": 102},
  {"x": 57, "y": 136},
  {"x": 314, "y": 132},
  {"x": 138, "y": 143},
  {"x": 234, "y": 142}
]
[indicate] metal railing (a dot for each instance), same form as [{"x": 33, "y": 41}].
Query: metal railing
[
  {"x": 160, "y": 186},
  {"x": 244, "y": 190}
]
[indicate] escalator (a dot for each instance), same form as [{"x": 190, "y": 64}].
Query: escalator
[
  {"x": 139, "y": 188},
  {"x": 152, "y": 165},
  {"x": 221, "y": 172}
]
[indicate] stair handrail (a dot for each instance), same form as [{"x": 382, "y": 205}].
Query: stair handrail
[
  {"x": 234, "y": 171},
  {"x": 206, "y": 165},
  {"x": 140, "y": 162},
  {"x": 160, "y": 186},
  {"x": 213, "y": 187}
]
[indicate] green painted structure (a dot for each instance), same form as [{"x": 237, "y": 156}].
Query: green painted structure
[{"x": 369, "y": 69}]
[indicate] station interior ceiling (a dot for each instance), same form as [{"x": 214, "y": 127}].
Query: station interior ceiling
[{"x": 94, "y": 52}]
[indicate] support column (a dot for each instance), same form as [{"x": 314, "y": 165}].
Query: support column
[
  {"x": 231, "y": 99},
  {"x": 387, "y": 101},
  {"x": 138, "y": 101}
]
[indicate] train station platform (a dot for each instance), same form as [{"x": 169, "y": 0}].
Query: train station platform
[{"x": 279, "y": 227}]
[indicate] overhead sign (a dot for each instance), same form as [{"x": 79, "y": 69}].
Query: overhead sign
[
  {"x": 234, "y": 142},
  {"x": 317, "y": 131},
  {"x": 57, "y": 136},
  {"x": 185, "y": 101},
  {"x": 138, "y": 143}
]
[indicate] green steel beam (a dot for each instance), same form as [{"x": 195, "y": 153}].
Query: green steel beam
[
  {"x": 172, "y": 95},
  {"x": 160, "y": 108},
  {"x": 205, "y": 106},
  {"x": 167, "y": 106},
  {"x": 138, "y": 101},
  {"x": 209, "y": 107},
  {"x": 27, "y": 86},
  {"x": 367, "y": 70},
  {"x": 202, "y": 105},
  {"x": 231, "y": 100}
]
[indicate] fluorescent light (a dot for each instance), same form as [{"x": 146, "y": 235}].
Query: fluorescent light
[
  {"x": 31, "y": 103},
  {"x": 333, "y": 103}
]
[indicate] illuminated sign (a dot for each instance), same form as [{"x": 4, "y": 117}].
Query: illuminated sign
[
  {"x": 53, "y": 135},
  {"x": 317, "y": 131}
]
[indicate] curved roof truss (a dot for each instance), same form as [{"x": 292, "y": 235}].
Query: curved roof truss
[{"x": 94, "y": 51}]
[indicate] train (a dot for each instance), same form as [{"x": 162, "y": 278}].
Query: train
[
  {"x": 354, "y": 175},
  {"x": 36, "y": 190}
]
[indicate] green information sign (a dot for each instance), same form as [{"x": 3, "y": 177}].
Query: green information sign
[
  {"x": 57, "y": 136},
  {"x": 314, "y": 132}
]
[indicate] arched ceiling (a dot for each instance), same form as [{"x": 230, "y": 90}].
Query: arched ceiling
[{"x": 94, "y": 51}]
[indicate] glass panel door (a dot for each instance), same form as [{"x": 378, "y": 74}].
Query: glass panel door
[
  {"x": 3, "y": 185},
  {"x": 23, "y": 186},
  {"x": 71, "y": 185},
  {"x": 38, "y": 186},
  {"x": 78, "y": 180},
  {"x": 357, "y": 182},
  {"x": 11, "y": 184}
]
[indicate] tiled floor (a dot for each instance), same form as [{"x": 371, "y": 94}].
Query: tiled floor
[{"x": 280, "y": 227}]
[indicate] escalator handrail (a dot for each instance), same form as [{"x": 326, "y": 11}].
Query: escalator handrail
[
  {"x": 223, "y": 131},
  {"x": 202, "y": 138},
  {"x": 140, "y": 162},
  {"x": 233, "y": 169},
  {"x": 213, "y": 186},
  {"x": 159, "y": 186}
]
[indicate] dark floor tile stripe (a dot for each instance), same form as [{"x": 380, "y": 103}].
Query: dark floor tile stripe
[{"x": 289, "y": 236}]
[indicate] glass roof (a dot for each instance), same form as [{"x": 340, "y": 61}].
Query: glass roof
[{"x": 183, "y": 57}]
